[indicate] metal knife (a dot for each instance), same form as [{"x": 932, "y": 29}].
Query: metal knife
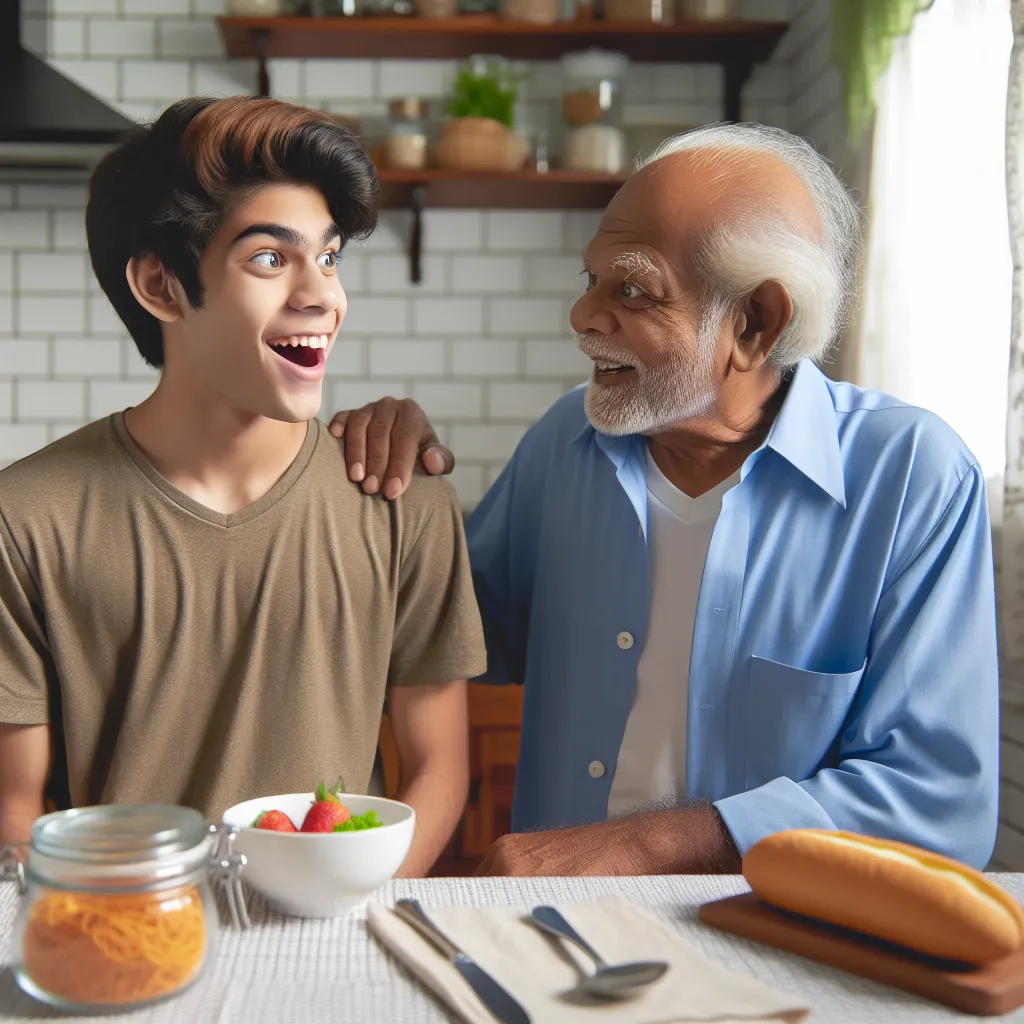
[{"x": 491, "y": 994}]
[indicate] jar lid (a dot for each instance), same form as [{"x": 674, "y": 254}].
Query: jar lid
[
  {"x": 408, "y": 106},
  {"x": 596, "y": 64},
  {"x": 119, "y": 833}
]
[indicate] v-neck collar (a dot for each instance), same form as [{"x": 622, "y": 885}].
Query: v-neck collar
[
  {"x": 679, "y": 503},
  {"x": 181, "y": 499}
]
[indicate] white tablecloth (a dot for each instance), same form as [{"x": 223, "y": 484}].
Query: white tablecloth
[{"x": 287, "y": 971}]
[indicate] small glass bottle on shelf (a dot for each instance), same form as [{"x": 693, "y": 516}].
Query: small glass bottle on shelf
[
  {"x": 406, "y": 146},
  {"x": 592, "y": 107}
]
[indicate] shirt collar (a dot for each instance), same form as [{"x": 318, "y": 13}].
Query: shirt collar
[
  {"x": 626, "y": 454},
  {"x": 804, "y": 434}
]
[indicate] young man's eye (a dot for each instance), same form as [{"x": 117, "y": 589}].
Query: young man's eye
[
  {"x": 329, "y": 259},
  {"x": 268, "y": 259}
]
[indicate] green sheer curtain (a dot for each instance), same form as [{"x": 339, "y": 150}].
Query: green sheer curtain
[{"x": 862, "y": 38}]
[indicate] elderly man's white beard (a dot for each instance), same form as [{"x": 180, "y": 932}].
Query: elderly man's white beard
[{"x": 677, "y": 387}]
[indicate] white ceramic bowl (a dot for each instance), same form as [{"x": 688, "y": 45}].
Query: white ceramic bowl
[{"x": 325, "y": 874}]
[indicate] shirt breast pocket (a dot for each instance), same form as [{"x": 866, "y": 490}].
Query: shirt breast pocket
[{"x": 793, "y": 717}]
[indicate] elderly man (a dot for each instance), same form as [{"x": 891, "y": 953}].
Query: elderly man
[{"x": 741, "y": 598}]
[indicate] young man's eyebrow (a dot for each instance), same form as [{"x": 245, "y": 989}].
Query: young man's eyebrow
[{"x": 287, "y": 235}]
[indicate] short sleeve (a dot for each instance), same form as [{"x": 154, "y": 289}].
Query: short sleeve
[
  {"x": 27, "y": 674},
  {"x": 438, "y": 635}
]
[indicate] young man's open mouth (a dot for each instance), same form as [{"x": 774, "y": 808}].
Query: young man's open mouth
[{"x": 306, "y": 351}]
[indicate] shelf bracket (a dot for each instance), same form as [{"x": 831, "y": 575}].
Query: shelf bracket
[
  {"x": 736, "y": 76},
  {"x": 417, "y": 197},
  {"x": 261, "y": 37}
]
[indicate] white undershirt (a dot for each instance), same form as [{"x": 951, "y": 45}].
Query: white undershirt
[{"x": 651, "y": 769}]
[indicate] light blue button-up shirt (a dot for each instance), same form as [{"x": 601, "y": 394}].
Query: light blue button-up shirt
[{"x": 844, "y": 670}]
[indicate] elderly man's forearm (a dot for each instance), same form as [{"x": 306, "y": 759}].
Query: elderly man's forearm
[{"x": 692, "y": 840}]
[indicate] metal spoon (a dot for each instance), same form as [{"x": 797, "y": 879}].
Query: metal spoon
[{"x": 610, "y": 981}]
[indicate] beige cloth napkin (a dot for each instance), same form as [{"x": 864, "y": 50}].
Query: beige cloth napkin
[{"x": 539, "y": 972}]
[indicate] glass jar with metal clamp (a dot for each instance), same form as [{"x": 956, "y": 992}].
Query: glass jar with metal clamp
[{"x": 118, "y": 906}]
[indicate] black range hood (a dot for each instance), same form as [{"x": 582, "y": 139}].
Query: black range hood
[{"x": 47, "y": 122}]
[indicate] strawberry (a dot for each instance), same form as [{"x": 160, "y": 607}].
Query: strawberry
[
  {"x": 275, "y": 821},
  {"x": 327, "y": 810}
]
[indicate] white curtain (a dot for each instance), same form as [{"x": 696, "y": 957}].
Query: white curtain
[
  {"x": 1011, "y": 582},
  {"x": 935, "y": 323}
]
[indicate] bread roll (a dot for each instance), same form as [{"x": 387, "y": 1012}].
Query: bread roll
[{"x": 889, "y": 890}]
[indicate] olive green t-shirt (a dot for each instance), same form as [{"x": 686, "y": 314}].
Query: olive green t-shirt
[{"x": 187, "y": 656}]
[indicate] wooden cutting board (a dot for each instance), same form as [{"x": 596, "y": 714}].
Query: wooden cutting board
[{"x": 986, "y": 991}]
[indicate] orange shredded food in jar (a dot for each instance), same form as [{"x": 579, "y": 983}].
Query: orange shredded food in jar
[{"x": 99, "y": 949}]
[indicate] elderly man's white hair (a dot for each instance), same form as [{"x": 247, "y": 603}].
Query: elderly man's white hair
[{"x": 735, "y": 256}]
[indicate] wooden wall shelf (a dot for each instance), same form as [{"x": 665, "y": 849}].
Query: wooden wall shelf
[
  {"x": 704, "y": 42},
  {"x": 555, "y": 190},
  {"x": 560, "y": 190},
  {"x": 736, "y": 45}
]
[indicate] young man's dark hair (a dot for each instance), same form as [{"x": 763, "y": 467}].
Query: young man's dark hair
[{"x": 166, "y": 191}]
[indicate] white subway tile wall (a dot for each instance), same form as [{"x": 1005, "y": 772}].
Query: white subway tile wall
[
  {"x": 483, "y": 342},
  {"x": 815, "y": 96}
]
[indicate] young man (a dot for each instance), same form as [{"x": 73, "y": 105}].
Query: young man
[{"x": 196, "y": 606}]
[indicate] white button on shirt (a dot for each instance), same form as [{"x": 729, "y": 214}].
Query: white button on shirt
[
  {"x": 651, "y": 766},
  {"x": 596, "y": 769},
  {"x": 624, "y": 640}
]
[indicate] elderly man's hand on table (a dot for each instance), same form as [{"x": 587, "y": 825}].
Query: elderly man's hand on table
[
  {"x": 384, "y": 439},
  {"x": 691, "y": 840}
]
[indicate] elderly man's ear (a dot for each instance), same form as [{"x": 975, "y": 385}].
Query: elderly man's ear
[{"x": 764, "y": 317}]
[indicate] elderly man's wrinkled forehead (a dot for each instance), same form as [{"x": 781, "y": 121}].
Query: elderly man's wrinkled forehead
[{"x": 662, "y": 206}]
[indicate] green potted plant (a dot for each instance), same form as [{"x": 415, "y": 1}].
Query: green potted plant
[{"x": 479, "y": 136}]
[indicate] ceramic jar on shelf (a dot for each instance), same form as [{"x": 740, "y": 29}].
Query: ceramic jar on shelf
[
  {"x": 536, "y": 12},
  {"x": 480, "y": 144},
  {"x": 479, "y": 135}
]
